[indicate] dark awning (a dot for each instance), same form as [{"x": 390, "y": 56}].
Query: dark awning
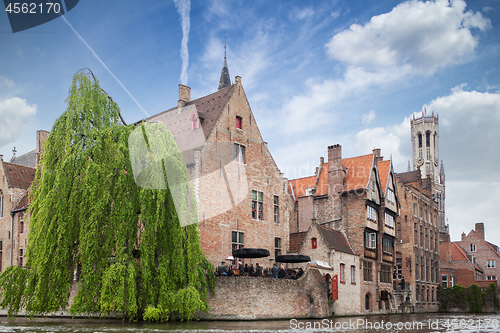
[
  {"x": 250, "y": 253},
  {"x": 292, "y": 258}
]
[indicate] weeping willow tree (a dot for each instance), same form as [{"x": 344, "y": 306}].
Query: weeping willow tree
[{"x": 88, "y": 214}]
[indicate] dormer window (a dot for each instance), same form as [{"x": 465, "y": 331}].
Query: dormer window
[
  {"x": 239, "y": 122},
  {"x": 195, "y": 121}
]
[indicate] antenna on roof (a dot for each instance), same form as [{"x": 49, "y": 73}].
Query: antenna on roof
[
  {"x": 225, "y": 43},
  {"x": 14, "y": 151}
]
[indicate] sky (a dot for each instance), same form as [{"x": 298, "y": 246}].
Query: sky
[{"x": 315, "y": 74}]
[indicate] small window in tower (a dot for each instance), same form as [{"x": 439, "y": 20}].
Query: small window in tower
[
  {"x": 428, "y": 139},
  {"x": 239, "y": 121},
  {"x": 419, "y": 140}
]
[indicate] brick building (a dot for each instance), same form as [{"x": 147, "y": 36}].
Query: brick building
[
  {"x": 457, "y": 267},
  {"x": 241, "y": 194},
  {"x": 331, "y": 247},
  {"x": 16, "y": 177},
  {"x": 483, "y": 253},
  {"x": 417, "y": 246},
  {"x": 357, "y": 196}
]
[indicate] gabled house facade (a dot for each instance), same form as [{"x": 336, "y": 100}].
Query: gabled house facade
[
  {"x": 457, "y": 267},
  {"x": 483, "y": 253},
  {"x": 331, "y": 249},
  {"x": 241, "y": 194},
  {"x": 357, "y": 196}
]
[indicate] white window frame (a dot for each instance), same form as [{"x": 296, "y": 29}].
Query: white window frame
[
  {"x": 371, "y": 214},
  {"x": 472, "y": 247},
  {"x": 390, "y": 196},
  {"x": 389, "y": 220},
  {"x": 371, "y": 240},
  {"x": 490, "y": 264},
  {"x": 239, "y": 153},
  {"x": 491, "y": 277}
]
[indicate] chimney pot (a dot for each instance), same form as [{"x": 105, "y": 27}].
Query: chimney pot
[
  {"x": 237, "y": 79},
  {"x": 463, "y": 236},
  {"x": 1, "y": 157}
]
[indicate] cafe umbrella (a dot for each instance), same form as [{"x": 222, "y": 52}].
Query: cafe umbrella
[{"x": 292, "y": 258}]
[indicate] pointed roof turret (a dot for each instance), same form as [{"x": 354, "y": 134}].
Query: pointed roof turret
[{"x": 225, "y": 79}]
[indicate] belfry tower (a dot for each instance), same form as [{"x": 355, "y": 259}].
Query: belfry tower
[{"x": 425, "y": 152}]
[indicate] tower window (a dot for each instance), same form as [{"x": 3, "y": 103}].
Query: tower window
[
  {"x": 239, "y": 121},
  {"x": 419, "y": 140},
  {"x": 428, "y": 139}
]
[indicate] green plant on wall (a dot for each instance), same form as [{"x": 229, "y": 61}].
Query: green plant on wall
[
  {"x": 476, "y": 298},
  {"x": 87, "y": 211}
]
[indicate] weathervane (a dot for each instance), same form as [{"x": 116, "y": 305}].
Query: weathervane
[{"x": 14, "y": 151}]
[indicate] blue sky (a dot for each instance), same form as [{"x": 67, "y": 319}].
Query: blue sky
[{"x": 315, "y": 74}]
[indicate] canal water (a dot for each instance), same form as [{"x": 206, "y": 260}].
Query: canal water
[{"x": 420, "y": 323}]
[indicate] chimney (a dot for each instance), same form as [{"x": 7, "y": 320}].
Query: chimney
[
  {"x": 41, "y": 136},
  {"x": 480, "y": 229},
  {"x": 446, "y": 238},
  {"x": 463, "y": 236},
  {"x": 376, "y": 152},
  {"x": 237, "y": 79},
  {"x": 335, "y": 171},
  {"x": 184, "y": 95},
  {"x": 1, "y": 158}
]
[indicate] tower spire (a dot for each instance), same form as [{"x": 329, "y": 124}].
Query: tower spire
[{"x": 225, "y": 79}]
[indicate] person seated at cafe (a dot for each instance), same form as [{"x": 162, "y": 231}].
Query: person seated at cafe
[
  {"x": 281, "y": 273},
  {"x": 246, "y": 270},
  {"x": 292, "y": 274},
  {"x": 222, "y": 269},
  {"x": 274, "y": 271},
  {"x": 300, "y": 273},
  {"x": 258, "y": 270},
  {"x": 251, "y": 272},
  {"x": 230, "y": 271},
  {"x": 266, "y": 272},
  {"x": 241, "y": 269}
]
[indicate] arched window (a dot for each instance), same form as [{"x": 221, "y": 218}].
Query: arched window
[
  {"x": 419, "y": 140},
  {"x": 314, "y": 243},
  {"x": 428, "y": 139},
  {"x": 367, "y": 301}
]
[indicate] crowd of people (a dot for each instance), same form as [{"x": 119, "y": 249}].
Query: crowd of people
[{"x": 274, "y": 272}]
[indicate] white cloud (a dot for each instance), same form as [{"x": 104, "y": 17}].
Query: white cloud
[
  {"x": 301, "y": 14},
  {"x": 9, "y": 83},
  {"x": 14, "y": 112},
  {"x": 426, "y": 35},
  {"x": 469, "y": 136},
  {"x": 392, "y": 140},
  {"x": 368, "y": 118}
]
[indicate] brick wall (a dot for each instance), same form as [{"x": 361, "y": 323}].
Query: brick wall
[{"x": 246, "y": 298}]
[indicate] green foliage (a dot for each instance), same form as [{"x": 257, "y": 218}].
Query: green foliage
[
  {"x": 493, "y": 291},
  {"x": 476, "y": 298},
  {"x": 87, "y": 210}
]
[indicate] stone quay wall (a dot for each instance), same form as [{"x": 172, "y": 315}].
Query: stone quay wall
[{"x": 250, "y": 298}]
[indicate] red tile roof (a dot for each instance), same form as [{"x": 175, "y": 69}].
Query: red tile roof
[
  {"x": 384, "y": 168},
  {"x": 296, "y": 239},
  {"x": 178, "y": 121},
  {"x": 19, "y": 176},
  {"x": 358, "y": 170},
  {"x": 335, "y": 239},
  {"x": 459, "y": 254},
  {"x": 23, "y": 203},
  {"x": 300, "y": 185}
]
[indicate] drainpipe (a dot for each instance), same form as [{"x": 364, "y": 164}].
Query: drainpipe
[
  {"x": 329, "y": 253},
  {"x": 11, "y": 236}
]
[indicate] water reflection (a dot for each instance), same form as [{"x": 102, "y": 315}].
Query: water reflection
[{"x": 420, "y": 323}]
